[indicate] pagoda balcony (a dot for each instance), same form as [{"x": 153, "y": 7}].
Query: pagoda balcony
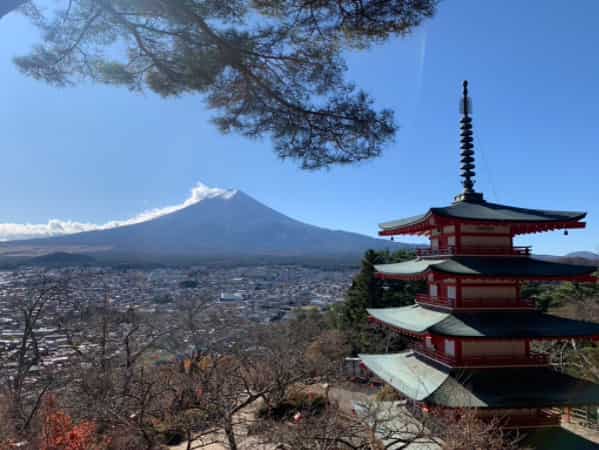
[
  {"x": 486, "y": 303},
  {"x": 443, "y": 302},
  {"x": 478, "y": 251},
  {"x": 543, "y": 418},
  {"x": 540, "y": 419},
  {"x": 532, "y": 359}
]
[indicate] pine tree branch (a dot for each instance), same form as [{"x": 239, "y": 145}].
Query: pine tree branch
[{"x": 6, "y": 6}]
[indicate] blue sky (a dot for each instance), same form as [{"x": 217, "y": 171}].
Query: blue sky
[{"x": 95, "y": 153}]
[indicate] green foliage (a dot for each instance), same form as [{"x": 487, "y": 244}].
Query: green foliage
[
  {"x": 388, "y": 394},
  {"x": 579, "y": 301},
  {"x": 367, "y": 291},
  {"x": 267, "y": 67},
  {"x": 583, "y": 361},
  {"x": 554, "y": 295},
  {"x": 310, "y": 316},
  {"x": 297, "y": 401}
]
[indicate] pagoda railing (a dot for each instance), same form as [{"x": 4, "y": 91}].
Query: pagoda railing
[
  {"x": 436, "y": 301},
  {"x": 543, "y": 418},
  {"x": 482, "y": 251},
  {"x": 479, "y": 303},
  {"x": 540, "y": 418},
  {"x": 436, "y": 355},
  {"x": 532, "y": 359}
]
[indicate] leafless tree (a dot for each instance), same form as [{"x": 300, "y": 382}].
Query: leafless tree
[
  {"x": 112, "y": 380},
  {"x": 390, "y": 425},
  {"x": 24, "y": 377}
]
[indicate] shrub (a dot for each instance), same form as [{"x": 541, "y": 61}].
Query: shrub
[
  {"x": 297, "y": 401},
  {"x": 388, "y": 394}
]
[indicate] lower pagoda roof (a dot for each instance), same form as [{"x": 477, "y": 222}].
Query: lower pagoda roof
[
  {"x": 481, "y": 266},
  {"x": 488, "y": 324},
  {"x": 531, "y": 387}
]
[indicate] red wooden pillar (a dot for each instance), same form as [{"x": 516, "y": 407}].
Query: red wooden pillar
[{"x": 458, "y": 351}]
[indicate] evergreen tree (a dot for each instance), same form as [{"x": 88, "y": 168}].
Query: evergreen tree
[
  {"x": 366, "y": 292},
  {"x": 553, "y": 295}
]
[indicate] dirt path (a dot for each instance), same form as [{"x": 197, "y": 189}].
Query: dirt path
[
  {"x": 344, "y": 396},
  {"x": 216, "y": 441}
]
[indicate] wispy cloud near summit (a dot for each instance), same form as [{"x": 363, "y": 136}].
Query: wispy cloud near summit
[{"x": 57, "y": 227}]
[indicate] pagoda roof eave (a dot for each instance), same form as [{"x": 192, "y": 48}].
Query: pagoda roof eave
[
  {"x": 423, "y": 276},
  {"x": 535, "y": 387},
  {"x": 406, "y": 373},
  {"x": 522, "y": 220},
  {"x": 485, "y": 267},
  {"x": 419, "y": 321}
]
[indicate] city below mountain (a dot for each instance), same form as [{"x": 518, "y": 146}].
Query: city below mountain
[{"x": 221, "y": 229}]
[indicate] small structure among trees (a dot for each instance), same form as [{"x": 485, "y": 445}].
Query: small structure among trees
[{"x": 472, "y": 330}]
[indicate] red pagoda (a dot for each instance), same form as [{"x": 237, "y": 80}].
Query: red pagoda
[{"x": 472, "y": 331}]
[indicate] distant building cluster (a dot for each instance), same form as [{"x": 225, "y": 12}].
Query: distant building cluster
[{"x": 257, "y": 294}]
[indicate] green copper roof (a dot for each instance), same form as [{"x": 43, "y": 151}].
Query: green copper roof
[
  {"x": 495, "y": 324},
  {"x": 494, "y": 266},
  {"x": 411, "y": 267},
  {"x": 530, "y": 387},
  {"x": 406, "y": 373},
  {"x": 403, "y": 222},
  {"x": 489, "y": 212},
  {"x": 413, "y": 318}
]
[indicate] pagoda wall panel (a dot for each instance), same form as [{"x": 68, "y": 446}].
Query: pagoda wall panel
[
  {"x": 486, "y": 241},
  {"x": 493, "y": 348},
  {"x": 490, "y": 292},
  {"x": 489, "y": 229}
]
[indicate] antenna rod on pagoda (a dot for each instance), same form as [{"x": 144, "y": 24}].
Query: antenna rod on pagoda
[{"x": 467, "y": 153}]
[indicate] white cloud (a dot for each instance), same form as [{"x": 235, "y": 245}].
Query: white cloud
[{"x": 56, "y": 227}]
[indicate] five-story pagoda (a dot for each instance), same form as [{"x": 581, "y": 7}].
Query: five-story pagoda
[{"x": 472, "y": 331}]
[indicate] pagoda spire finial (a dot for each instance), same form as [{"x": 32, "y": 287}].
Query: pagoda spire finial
[{"x": 467, "y": 153}]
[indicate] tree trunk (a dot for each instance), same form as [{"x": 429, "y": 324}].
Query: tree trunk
[
  {"x": 189, "y": 439},
  {"x": 7, "y": 6},
  {"x": 230, "y": 433}
]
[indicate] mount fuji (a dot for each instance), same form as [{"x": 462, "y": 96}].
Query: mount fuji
[{"x": 219, "y": 228}]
